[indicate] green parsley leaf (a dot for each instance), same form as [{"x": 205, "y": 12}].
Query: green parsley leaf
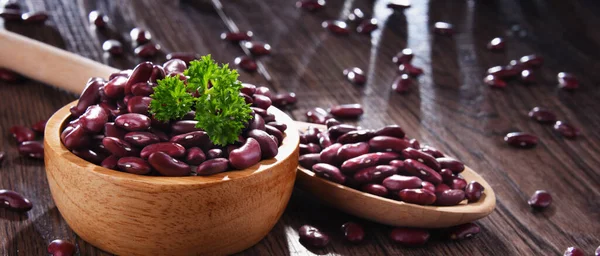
[{"x": 170, "y": 99}]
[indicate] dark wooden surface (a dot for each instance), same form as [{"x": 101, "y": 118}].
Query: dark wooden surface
[{"x": 449, "y": 108}]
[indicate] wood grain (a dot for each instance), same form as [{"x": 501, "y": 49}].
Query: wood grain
[{"x": 449, "y": 108}]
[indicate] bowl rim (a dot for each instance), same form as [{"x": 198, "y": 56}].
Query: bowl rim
[{"x": 288, "y": 147}]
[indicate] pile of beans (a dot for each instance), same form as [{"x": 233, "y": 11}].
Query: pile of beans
[
  {"x": 111, "y": 127},
  {"x": 386, "y": 163}
]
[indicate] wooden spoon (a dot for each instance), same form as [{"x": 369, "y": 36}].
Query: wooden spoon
[{"x": 391, "y": 212}]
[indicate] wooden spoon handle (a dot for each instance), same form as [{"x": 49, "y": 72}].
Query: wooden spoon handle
[{"x": 48, "y": 64}]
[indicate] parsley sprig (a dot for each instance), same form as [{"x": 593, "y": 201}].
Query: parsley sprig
[{"x": 220, "y": 110}]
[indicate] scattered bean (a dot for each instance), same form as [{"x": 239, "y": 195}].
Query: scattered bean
[
  {"x": 258, "y": 48},
  {"x": 14, "y": 201},
  {"x": 353, "y": 232},
  {"x": 521, "y": 139},
  {"x": 236, "y": 37},
  {"x": 98, "y": 19},
  {"x": 60, "y": 247},
  {"x": 312, "y": 236},
  {"x": 540, "y": 199},
  {"x": 336, "y": 27},
  {"x": 410, "y": 236},
  {"x": 566, "y": 130},
  {"x": 310, "y": 5},
  {"x": 347, "y": 111}
]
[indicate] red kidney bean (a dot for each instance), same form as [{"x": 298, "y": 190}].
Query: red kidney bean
[
  {"x": 262, "y": 90},
  {"x": 92, "y": 156},
  {"x": 540, "y": 199},
  {"x": 367, "y": 26},
  {"x": 167, "y": 165},
  {"x": 531, "y": 61},
  {"x": 94, "y": 118},
  {"x": 328, "y": 154},
  {"x": 447, "y": 176},
  {"x": 261, "y": 101},
  {"x": 410, "y": 236},
  {"x": 356, "y": 136},
  {"x": 74, "y": 137},
  {"x": 463, "y": 231},
  {"x": 527, "y": 77},
  {"x": 184, "y": 126},
  {"x": 257, "y": 122},
  {"x": 258, "y": 48},
  {"x": 89, "y": 96},
  {"x": 60, "y": 247},
  {"x": 133, "y": 122},
  {"x": 390, "y": 130},
  {"x": 185, "y": 56},
  {"x": 192, "y": 139},
  {"x": 110, "y": 162},
  {"x": 399, "y": 182},
  {"x": 414, "y": 143},
  {"x": 113, "y": 47},
  {"x": 411, "y": 153},
  {"x": 355, "y": 75},
  {"x": 139, "y": 104},
  {"x": 195, "y": 156},
  {"x": 542, "y": 115},
  {"x": 309, "y": 148},
  {"x": 115, "y": 88},
  {"x": 248, "y": 89},
  {"x": 428, "y": 186},
  {"x": 33, "y": 149},
  {"x": 347, "y": 110},
  {"x": 111, "y": 130},
  {"x": 450, "y": 163},
  {"x": 308, "y": 160},
  {"x": 515, "y": 64},
  {"x": 310, "y": 5},
  {"x": 284, "y": 99},
  {"x": 141, "y": 73},
  {"x": 119, "y": 147},
  {"x": 439, "y": 188},
  {"x": 141, "y": 139},
  {"x": 458, "y": 183},
  {"x": 387, "y": 143},
  {"x": 324, "y": 139},
  {"x": 356, "y": 15},
  {"x": 317, "y": 115},
  {"x": 422, "y": 171},
  {"x": 11, "y": 15},
  {"x": 374, "y": 189},
  {"x": 140, "y": 36},
  {"x": 374, "y": 174},
  {"x": 9, "y": 76},
  {"x": 443, "y": 28},
  {"x": 329, "y": 172},
  {"x": 597, "y": 252},
  {"x": 22, "y": 133},
  {"x": 473, "y": 191},
  {"x": 368, "y": 160},
  {"x": 98, "y": 19},
  {"x": 34, "y": 17},
  {"x": 566, "y": 130},
  {"x": 14, "y": 201},
  {"x": 349, "y": 151},
  {"x": 496, "y": 44},
  {"x": 311, "y": 134},
  {"x": 312, "y": 236},
  {"x": 236, "y": 37},
  {"x": 245, "y": 156},
  {"x": 275, "y": 132},
  {"x": 174, "y": 66},
  {"x": 212, "y": 166},
  {"x": 2, "y": 157},
  {"x": 432, "y": 151},
  {"x": 353, "y": 232},
  {"x": 158, "y": 72},
  {"x": 170, "y": 148},
  {"x": 494, "y": 81},
  {"x": 147, "y": 50},
  {"x": 405, "y": 56},
  {"x": 125, "y": 73},
  {"x": 246, "y": 63},
  {"x": 269, "y": 118},
  {"x": 449, "y": 197},
  {"x": 133, "y": 165},
  {"x": 40, "y": 126},
  {"x": 331, "y": 122},
  {"x": 573, "y": 251},
  {"x": 336, "y": 26},
  {"x": 402, "y": 84},
  {"x": 410, "y": 69},
  {"x": 399, "y": 165},
  {"x": 417, "y": 196},
  {"x": 247, "y": 98},
  {"x": 268, "y": 146},
  {"x": 521, "y": 139},
  {"x": 280, "y": 126},
  {"x": 503, "y": 72}
]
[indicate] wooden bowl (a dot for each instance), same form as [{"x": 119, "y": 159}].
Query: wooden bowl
[{"x": 129, "y": 214}]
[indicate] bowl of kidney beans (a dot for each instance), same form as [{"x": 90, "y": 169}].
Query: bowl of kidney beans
[{"x": 129, "y": 184}]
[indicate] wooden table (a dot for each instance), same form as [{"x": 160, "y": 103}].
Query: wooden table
[{"x": 449, "y": 108}]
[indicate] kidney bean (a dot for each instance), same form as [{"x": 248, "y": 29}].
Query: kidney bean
[
  {"x": 573, "y": 251},
  {"x": 428, "y": 186},
  {"x": 328, "y": 154},
  {"x": 140, "y": 36},
  {"x": 597, "y": 252},
  {"x": 40, "y": 126},
  {"x": 353, "y": 232},
  {"x": 317, "y": 115},
  {"x": 432, "y": 151},
  {"x": 521, "y": 139},
  {"x": 458, "y": 183},
  {"x": 114, "y": 47},
  {"x": 170, "y": 148},
  {"x": 441, "y": 188},
  {"x": 532, "y": 61},
  {"x": 184, "y": 126},
  {"x": 387, "y": 143},
  {"x": 74, "y": 137},
  {"x": 309, "y": 148},
  {"x": 391, "y": 131},
  {"x": 257, "y": 122},
  {"x": 192, "y": 139},
  {"x": 236, "y": 37},
  {"x": 9, "y": 76},
  {"x": 98, "y": 19},
  {"x": 409, "y": 69},
  {"x": 312, "y": 236},
  {"x": 542, "y": 115},
  {"x": 185, "y": 56},
  {"x": 245, "y": 156},
  {"x": 158, "y": 72},
  {"x": 115, "y": 88},
  {"x": 110, "y": 162},
  {"x": 422, "y": 171},
  {"x": 473, "y": 191},
  {"x": 374, "y": 189},
  {"x": 329, "y": 172},
  {"x": 279, "y": 125},
  {"x": 273, "y": 131},
  {"x": 324, "y": 139},
  {"x": 503, "y": 72},
  {"x": 11, "y": 4},
  {"x": 269, "y": 118},
  {"x": 111, "y": 130},
  {"x": 347, "y": 110},
  {"x": 133, "y": 165},
  {"x": 449, "y": 197},
  {"x": 94, "y": 118},
  {"x": 268, "y": 146},
  {"x": 141, "y": 139},
  {"x": 133, "y": 122},
  {"x": 410, "y": 153},
  {"x": 174, "y": 66},
  {"x": 447, "y": 176},
  {"x": 566, "y": 130},
  {"x": 349, "y": 151},
  {"x": 355, "y": 75},
  {"x": 139, "y": 104},
  {"x": 463, "y": 231},
  {"x": 367, "y": 160},
  {"x": 410, "y": 236},
  {"x": 331, "y": 122},
  {"x": 399, "y": 182},
  {"x": 11, "y": 15},
  {"x": 148, "y": 50},
  {"x": 399, "y": 165},
  {"x": 450, "y": 163},
  {"x": 167, "y": 165},
  {"x": 125, "y": 73},
  {"x": 14, "y": 201},
  {"x": 414, "y": 143},
  {"x": 60, "y": 247},
  {"x": 311, "y": 134},
  {"x": 405, "y": 56},
  {"x": 261, "y": 101},
  {"x": 119, "y": 147},
  {"x": 195, "y": 156},
  {"x": 262, "y": 90},
  {"x": 90, "y": 155},
  {"x": 212, "y": 166},
  {"x": 356, "y": 136},
  {"x": 247, "y": 98},
  {"x": 494, "y": 81},
  {"x": 141, "y": 74},
  {"x": 527, "y": 77},
  {"x": 246, "y": 63},
  {"x": 540, "y": 199},
  {"x": 336, "y": 131},
  {"x": 374, "y": 174},
  {"x": 417, "y": 196},
  {"x": 89, "y": 96},
  {"x": 308, "y": 160},
  {"x": 22, "y": 133},
  {"x": 284, "y": 99},
  {"x": 34, "y": 17},
  {"x": 189, "y": 115}
]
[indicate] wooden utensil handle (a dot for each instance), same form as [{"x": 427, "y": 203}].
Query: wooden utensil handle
[{"x": 48, "y": 64}]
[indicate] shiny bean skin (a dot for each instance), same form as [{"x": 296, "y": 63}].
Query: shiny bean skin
[
  {"x": 34, "y": 17},
  {"x": 212, "y": 166},
  {"x": 387, "y": 143},
  {"x": 257, "y": 122},
  {"x": 261, "y": 101},
  {"x": 40, "y": 126},
  {"x": 573, "y": 251},
  {"x": 215, "y": 153},
  {"x": 336, "y": 131},
  {"x": 141, "y": 139},
  {"x": 284, "y": 99},
  {"x": 427, "y": 159},
  {"x": 473, "y": 191},
  {"x": 22, "y": 133},
  {"x": 353, "y": 232},
  {"x": 374, "y": 174},
  {"x": 60, "y": 247},
  {"x": 262, "y": 90},
  {"x": 115, "y": 88},
  {"x": 313, "y": 237},
  {"x": 147, "y": 50},
  {"x": 450, "y": 163},
  {"x": 422, "y": 171},
  {"x": 521, "y": 139},
  {"x": 192, "y": 139},
  {"x": 89, "y": 96},
  {"x": 74, "y": 137},
  {"x": 280, "y": 126},
  {"x": 185, "y": 56},
  {"x": 410, "y": 236},
  {"x": 158, "y": 72},
  {"x": 141, "y": 73},
  {"x": 133, "y": 165},
  {"x": 317, "y": 115},
  {"x": 139, "y": 104},
  {"x": 447, "y": 176},
  {"x": 441, "y": 188},
  {"x": 391, "y": 131},
  {"x": 463, "y": 231},
  {"x": 119, "y": 147},
  {"x": 195, "y": 156},
  {"x": 428, "y": 186},
  {"x": 14, "y": 201},
  {"x": 368, "y": 160},
  {"x": 174, "y": 66},
  {"x": 167, "y": 165},
  {"x": 328, "y": 155},
  {"x": 245, "y": 156},
  {"x": 89, "y": 155},
  {"x": 124, "y": 73},
  {"x": 374, "y": 189},
  {"x": 356, "y": 136},
  {"x": 94, "y": 118},
  {"x": 432, "y": 151},
  {"x": 247, "y": 99},
  {"x": 399, "y": 182},
  {"x": 170, "y": 148},
  {"x": 347, "y": 111},
  {"x": 449, "y": 197},
  {"x": 111, "y": 130},
  {"x": 268, "y": 145},
  {"x": 309, "y": 148},
  {"x": 353, "y": 150},
  {"x": 248, "y": 89},
  {"x": 185, "y": 126},
  {"x": 329, "y": 172},
  {"x": 540, "y": 199},
  {"x": 399, "y": 164},
  {"x": 110, "y": 162},
  {"x": 275, "y": 132},
  {"x": 324, "y": 139},
  {"x": 417, "y": 196},
  {"x": 269, "y": 118},
  {"x": 458, "y": 183},
  {"x": 308, "y": 160},
  {"x": 331, "y": 122},
  {"x": 311, "y": 134},
  {"x": 414, "y": 143},
  {"x": 133, "y": 122}
]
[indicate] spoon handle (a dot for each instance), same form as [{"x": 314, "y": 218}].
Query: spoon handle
[{"x": 48, "y": 64}]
